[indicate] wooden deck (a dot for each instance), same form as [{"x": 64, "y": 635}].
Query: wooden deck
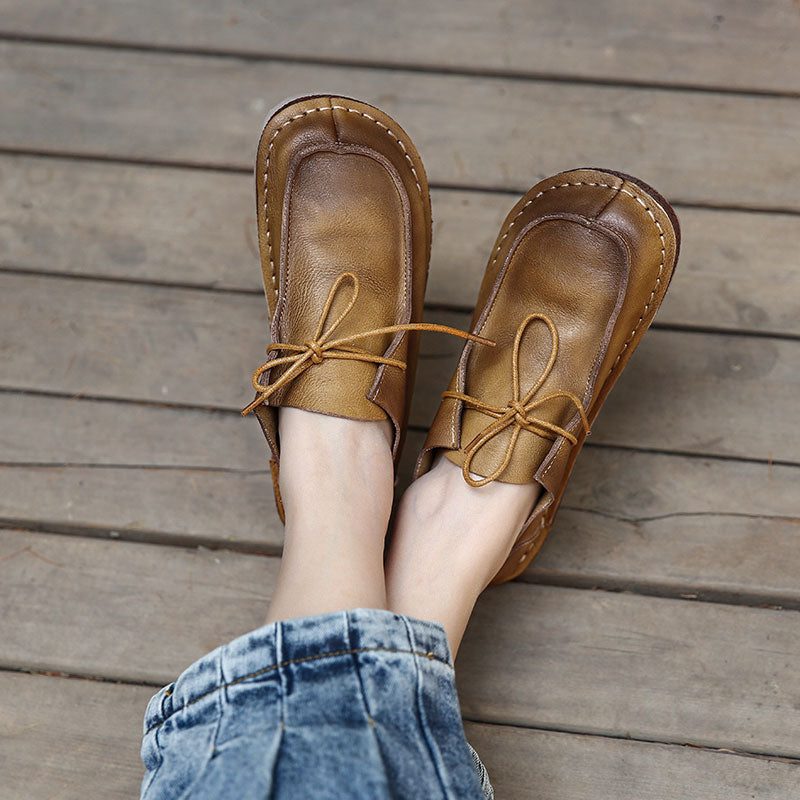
[{"x": 652, "y": 651}]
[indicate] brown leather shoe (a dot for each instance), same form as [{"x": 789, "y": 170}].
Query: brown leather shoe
[
  {"x": 344, "y": 230},
  {"x": 579, "y": 269}
]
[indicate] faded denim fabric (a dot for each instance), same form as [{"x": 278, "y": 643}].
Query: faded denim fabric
[{"x": 355, "y": 704}]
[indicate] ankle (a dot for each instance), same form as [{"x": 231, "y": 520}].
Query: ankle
[
  {"x": 335, "y": 472},
  {"x": 443, "y": 500},
  {"x": 336, "y": 483},
  {"x": 449, "y": 541}
]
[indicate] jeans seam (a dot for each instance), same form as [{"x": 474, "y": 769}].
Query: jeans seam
[
  {"x": 433, "y": 750},
  {"x": 372, "y": 724},
  {"x": 150, "y": 775},
  {"x": 278, "y": 628},
  {"x": 300, "y": 660}
]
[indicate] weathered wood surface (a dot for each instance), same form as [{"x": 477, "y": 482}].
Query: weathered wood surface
[
  {"x": 165, "y": 458},
  {"x": 88, "y": 607},
  {"x": 472, "y": 131},
  {"x": 708, "y": 674},
  {"x": 62, "y": 739},
  {"x": 51, "y": 431},
  {"x": 682, "y": 392},
  {"x": 57, "y": 736},
  {"x": 526, "y": 764},
  {"x": 727, "y": 530},
  {"x": 601, "y": 662},
  {"x": 632, "y": 520},
  {"x": 726, "y": 43},
  {"x": 738, "y": 270}
]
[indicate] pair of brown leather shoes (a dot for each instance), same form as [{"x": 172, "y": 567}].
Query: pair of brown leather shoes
[{"x": 578, "y": 271}]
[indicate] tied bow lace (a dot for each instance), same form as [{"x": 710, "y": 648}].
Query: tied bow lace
[
  {"x": 322, "y": 346},
  {"x": 518, "y": 412}
]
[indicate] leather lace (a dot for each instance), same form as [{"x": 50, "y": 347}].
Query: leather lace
[
  {"x": 518, "y": 413},
  {"x": 322, "y": 346}
]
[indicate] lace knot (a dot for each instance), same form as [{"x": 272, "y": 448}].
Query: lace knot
[
  {"x": 317, "y": 353},
  {"x": 518, "y": 412}
]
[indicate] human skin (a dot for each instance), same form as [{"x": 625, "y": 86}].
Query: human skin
[{"x": 449, "y": 539}]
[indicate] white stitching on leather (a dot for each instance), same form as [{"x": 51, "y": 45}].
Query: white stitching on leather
[
  {"x": 305, "y": 113},
  {"x": 657, "y": 284},
  {"x": 650, "y": 213},
  {"x": 655, "y": 289}
]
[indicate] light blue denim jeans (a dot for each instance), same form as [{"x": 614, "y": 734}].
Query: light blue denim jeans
[{"x": 356, "y": 704}]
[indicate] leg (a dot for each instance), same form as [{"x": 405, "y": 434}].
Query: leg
[
  {"x": 336, "y": 483},
  {"x": 449, "y": 542}
]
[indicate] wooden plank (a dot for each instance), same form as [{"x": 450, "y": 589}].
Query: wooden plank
[
  {"x": 596, "y": 662},
  {"x": 559, "y": 766},
  {"x": 643, "y": 521},
  {"x": 71, "y": 431},
  {"x": 203, "y": 110},
  {"x": 178, "y": 506},
  {"x": 139, "y": 472},
  {"x": 57, "y": 625},
  {"x": 129, "y": 222},
  {"x": 738, "y": 270},
  {"x": 721, "y": 44},
  {"x": 133, "y": 342},
  {"x": 640, "y": 521},
  {"x": 198, "y": 348},
  {"x": 63, "y": 736},
  {"x": 644, "y": 659}
]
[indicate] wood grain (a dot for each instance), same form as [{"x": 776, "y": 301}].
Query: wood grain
[
  {"x": 725, "y": 43},
  {"x": 597, "y": 662},
  {"x": 88, "y": 607},
  {"x": 683, "y": 392},
  {"x": 561, "y": 766},
  {"x": 61, "y": 738},
  {"x": 600, "y": 662},
  {"x": 473, "y": 132},
  {"x": 641, "y": 521},
  {"x": 738, "y": 270}
]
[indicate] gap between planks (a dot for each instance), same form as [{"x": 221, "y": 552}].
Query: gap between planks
[
  {"x": 583, "y": 124},
  {"x": 444, "y": 186},
  {"x": 626, "y": 43},
  {"x": 519, "y": 632}
]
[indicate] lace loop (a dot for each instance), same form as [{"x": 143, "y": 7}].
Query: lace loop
[
  {"x": 322, "y": 346},
  {"x": 518, "y": 411}
]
